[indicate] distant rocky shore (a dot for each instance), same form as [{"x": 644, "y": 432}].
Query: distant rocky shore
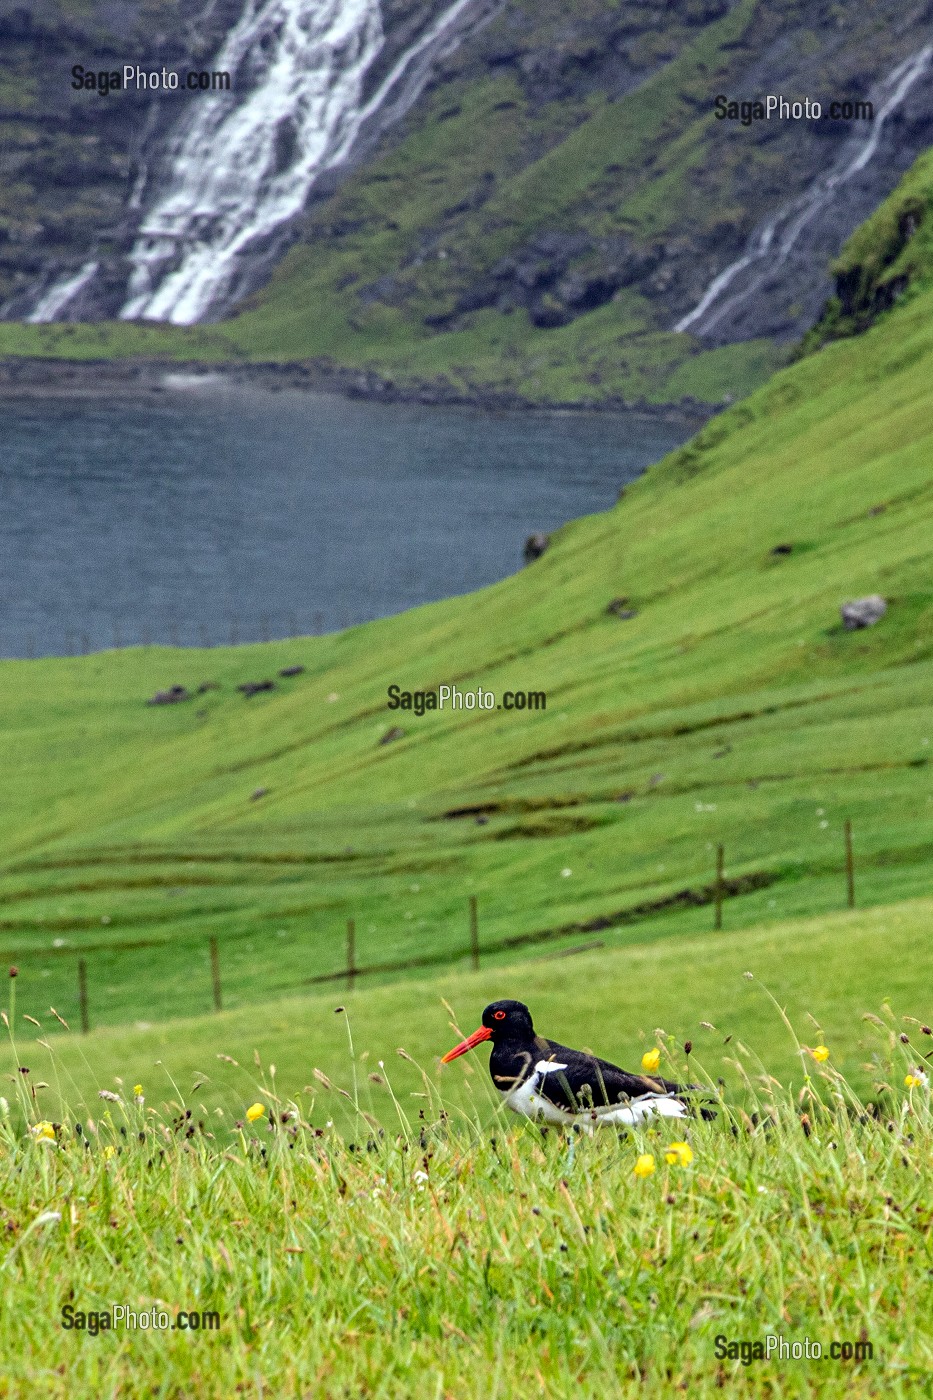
[{"x": 24, "y": 376}]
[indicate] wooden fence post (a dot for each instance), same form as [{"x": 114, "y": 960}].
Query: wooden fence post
[
  {"x": 82, "y": 997},
  {"x": 850, "y": 866},
  {"x": 215, "y": 973},
  {"x": 351, "y": 953},
  {"x": 720, "y": 862},
  {"x": 474, "y": 934}
]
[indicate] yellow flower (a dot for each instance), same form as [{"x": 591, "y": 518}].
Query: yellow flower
[
  {"x": 911, "y": 1081},
  {"x": 650, "y": 1060},
  {"x": 109, "y": 1151},
  {"x": 43, "y": 1130},
  {"x": 645, "y": 1165},
  {"x": 820, "y": 1053},
  {"x": 137, "y": 1089},
  {"x": 679, "y": 1154},
  {"x": 256, "y": 1110}
]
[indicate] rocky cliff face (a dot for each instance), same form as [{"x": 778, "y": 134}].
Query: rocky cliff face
[
  {"x": 69, "y": 160},
  {"x": 547, "y": 173},
  {"x": 170, "y": 205}
]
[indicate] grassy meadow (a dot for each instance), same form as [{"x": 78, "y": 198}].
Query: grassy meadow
[{"x": 417, "y": 1244}]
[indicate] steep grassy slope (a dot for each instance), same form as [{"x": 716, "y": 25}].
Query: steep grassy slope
[
  {"x": 888, "y": 256},
  {"x": 732, "y": 708}
]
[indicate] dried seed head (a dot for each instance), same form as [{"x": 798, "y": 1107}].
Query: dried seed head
[
  {"x": 688, "y": 1046},
  {"x": 14, "y": 971},
  {"x": 905, "y": 1038}
]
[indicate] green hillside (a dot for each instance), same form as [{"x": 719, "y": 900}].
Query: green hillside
[{"x": 731, "y": 708}]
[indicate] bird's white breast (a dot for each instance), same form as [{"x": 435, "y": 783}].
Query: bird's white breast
[{"x": 528, "y": 1100}]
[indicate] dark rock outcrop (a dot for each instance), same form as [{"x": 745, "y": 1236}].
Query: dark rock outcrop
[
  {"x": 173, "y": 696},
  {"x": 535, "y": 545},
  {"x": 249, "y": 688}
]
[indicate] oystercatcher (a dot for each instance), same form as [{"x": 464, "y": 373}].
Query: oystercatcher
[{"x": 541, "y": 1079}]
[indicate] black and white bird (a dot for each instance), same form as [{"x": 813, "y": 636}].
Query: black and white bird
[{"x": 539, "y": 1078}]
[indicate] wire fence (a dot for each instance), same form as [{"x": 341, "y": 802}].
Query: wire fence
[{"x": 715, "y": 894}]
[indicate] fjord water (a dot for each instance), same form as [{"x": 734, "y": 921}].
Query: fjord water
[{"x": 214, "y": 514}]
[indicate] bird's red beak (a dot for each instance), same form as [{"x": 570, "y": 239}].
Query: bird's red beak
[{"x": 476, "y": 1038}]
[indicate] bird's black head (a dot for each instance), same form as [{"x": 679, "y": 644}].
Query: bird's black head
[
  {"x": 502, "y": 1020},
  {"x": 508, "y": 1020}
]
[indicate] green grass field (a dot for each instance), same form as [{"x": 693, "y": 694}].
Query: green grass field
[{"x": 449, "y": 1253}]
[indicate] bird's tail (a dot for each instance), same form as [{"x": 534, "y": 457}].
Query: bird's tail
[{"x": 693, "y": 1097}]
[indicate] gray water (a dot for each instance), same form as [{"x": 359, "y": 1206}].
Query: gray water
[{"x": 222, "y": 514}]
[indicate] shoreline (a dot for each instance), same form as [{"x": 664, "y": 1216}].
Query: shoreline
[{"x": 39, "y": 377}]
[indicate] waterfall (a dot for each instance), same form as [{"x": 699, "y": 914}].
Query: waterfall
[
  {"x": 53, "y": 301},
  {"x": 240, "y": 164},
  {"x": 773, "y": 242}
]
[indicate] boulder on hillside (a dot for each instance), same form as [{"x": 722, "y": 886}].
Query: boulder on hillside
[
  {"x": 535, "y": 545},
  {"x": 863, "y": 612}
]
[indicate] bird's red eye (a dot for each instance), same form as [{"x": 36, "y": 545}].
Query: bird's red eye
[{"x": 499, "y": 1015}]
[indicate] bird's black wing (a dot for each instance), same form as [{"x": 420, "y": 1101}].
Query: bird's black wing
[{"x": 588, "y": 1082}]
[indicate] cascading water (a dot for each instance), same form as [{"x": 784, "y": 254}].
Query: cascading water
[
  {"x": 240, "y": 164},
  {"x": 56, "y": 298},
  {"x": 772, "y": 244},
  {"x": 239, "y": 167}
]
